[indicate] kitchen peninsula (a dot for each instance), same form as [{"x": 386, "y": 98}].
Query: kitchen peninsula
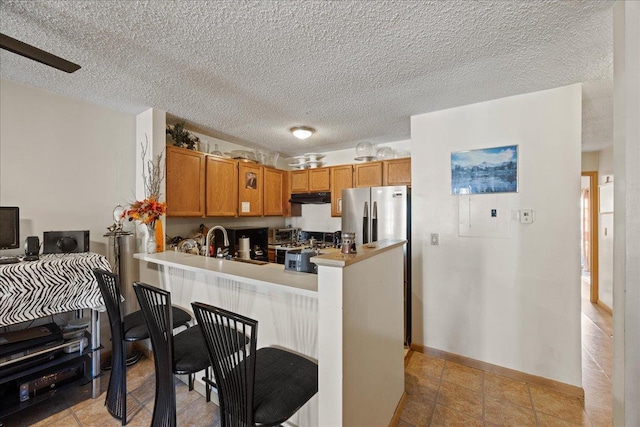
[{"x": 348, "y": 318}]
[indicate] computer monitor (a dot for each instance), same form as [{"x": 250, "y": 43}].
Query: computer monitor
[{"x": 9, "y": 227}]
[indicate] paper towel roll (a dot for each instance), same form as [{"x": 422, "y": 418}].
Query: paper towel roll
[{"x": 245, "y": 244}]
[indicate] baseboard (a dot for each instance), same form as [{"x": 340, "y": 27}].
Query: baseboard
[
  {"x": 605, "y": 307},
  {"x": 395, "y": 420},
  {"x": 535, "y": 380}
]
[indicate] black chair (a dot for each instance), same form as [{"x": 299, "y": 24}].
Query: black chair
[
  {"x": 109, "y": 285},
  {"x": 255, "y": 387},
  {"x": 182, "y": 354}
]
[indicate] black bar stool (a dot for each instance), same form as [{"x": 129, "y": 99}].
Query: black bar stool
[
  {"x": 255, "y": 387},
  {"x": 184, "y": 353},
  {"x": 109, "y": 285}
]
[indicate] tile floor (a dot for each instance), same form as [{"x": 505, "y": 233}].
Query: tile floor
[{"x": 439, "y": 393}]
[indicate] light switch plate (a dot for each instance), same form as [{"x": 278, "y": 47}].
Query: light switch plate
[
  {"x": 435, "y": 239},
  {"x": 526, "y": 216}
]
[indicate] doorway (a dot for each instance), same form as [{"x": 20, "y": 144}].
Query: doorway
[{"x": 589, "y": 231}]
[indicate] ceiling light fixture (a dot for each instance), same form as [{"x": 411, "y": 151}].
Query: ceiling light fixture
[{"x": 302, "y": 132}]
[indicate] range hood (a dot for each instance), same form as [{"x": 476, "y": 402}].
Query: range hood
[{"x": 311, "y": 198}]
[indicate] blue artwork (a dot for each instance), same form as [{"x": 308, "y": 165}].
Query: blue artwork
[{"x": 489, "y": 170}]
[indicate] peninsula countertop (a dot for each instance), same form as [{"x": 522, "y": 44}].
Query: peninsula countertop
[{"x": 271, "y": 275}]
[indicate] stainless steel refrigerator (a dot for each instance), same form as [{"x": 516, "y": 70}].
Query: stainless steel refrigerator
[{"x": 377, "y": 213}]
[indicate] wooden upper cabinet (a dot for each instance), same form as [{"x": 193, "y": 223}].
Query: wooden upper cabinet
[
  {"x": 368, "y": 174},
  {"x": 250, "y": 189},
  {"x": 185, "y": 182},
  {"x": 341, "y": 178},
  {"x": 222, "y": 187},
  {"x": 319, "y": 180},
  {"x": 397, "y": 172},
  {"x": 299, "y": 181},
  {"x": 275, "y": 189}
]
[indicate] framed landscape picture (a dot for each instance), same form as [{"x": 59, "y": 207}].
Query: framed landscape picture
[{"x": 488, "y": 170}]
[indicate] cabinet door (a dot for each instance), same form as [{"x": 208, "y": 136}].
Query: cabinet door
[
  {"x": 319, "y": 180},
  {"x": 185, "y": 182},
  {"x": 341, "y": 178},
  {"x": 300, "y": 181},
  {"x": 250, "y": 189},
  {"x": 397, "y": 172},
  {"x": 274, "y": 191},
  {"x": 222, "y": 187},
  {"x": 368, "y": 174}
]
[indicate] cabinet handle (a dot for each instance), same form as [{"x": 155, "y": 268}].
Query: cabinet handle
[{"x": 340, "y": 204}]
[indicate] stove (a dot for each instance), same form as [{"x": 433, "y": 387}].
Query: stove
[{"x": 324, "y": 240}]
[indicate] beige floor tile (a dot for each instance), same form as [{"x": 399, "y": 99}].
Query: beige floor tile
[
  {"x": 425, "y": 386},
  {"x": 184, "y": 397},
  {"x": 504, "y": 388},
  {"x": 141, "y": 374},
  {"x": 460, "y": 399},
  {"x": 596, "y": 381},
  {"x": 199, "y": 414},
  {"x": 95, "y": 414},
  {"x": 423, "y": 364},
  {"x": 588, "y": 361},
  {"x": 444, "y": 417},
  {"x": 545, "y": 420},
  {"x": 462, "y": 375},
  {"x": 145, "y": 393},
  {"x": 139, "y": 418},
  {"x": 558, "y": 405},
  {"x": 67, "y": 421},
  {"x": 417, "y": 410},
  {"x": 503, "y": 413}
]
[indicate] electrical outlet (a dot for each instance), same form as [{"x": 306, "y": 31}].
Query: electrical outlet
[{"x": 434, "y": 239}]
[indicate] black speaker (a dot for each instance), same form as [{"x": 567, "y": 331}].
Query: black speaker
[
  {"x": 61, "y": 242},
  {"x": 32, "y": 248}
]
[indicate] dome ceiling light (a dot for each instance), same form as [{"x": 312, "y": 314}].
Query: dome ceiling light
[{"x": 302, "y": 132}]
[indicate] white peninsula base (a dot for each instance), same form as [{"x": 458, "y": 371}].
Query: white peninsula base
[{"x": 348, "y": 319}]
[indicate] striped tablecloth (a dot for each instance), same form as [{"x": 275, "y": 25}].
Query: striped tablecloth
[{"x": 54, "y": 284}]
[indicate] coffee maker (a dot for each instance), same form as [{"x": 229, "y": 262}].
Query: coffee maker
[{"x": 258, "y": 241}]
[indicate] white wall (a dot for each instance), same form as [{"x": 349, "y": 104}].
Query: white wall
[
  {"x": 513, "y": 302},
  {"x": 590, "y": 161},
  {"x": 64, "y": 162},
  {"x": 626, "y": 278}
]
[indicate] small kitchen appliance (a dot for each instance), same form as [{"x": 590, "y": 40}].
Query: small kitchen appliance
[
  {"x": 300, "y": 260},
  {"x": 279, "y": 236},
  {"x": 348, "y": 242}
]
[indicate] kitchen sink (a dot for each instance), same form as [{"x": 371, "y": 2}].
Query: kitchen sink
[{"x": 250, "y": 261}]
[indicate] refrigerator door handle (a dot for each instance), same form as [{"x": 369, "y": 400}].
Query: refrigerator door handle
[
  {"x": 374, "y": 223},
  {"x": 365, "y": 224}
]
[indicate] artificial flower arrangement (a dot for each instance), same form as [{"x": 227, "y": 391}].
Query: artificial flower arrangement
[{"x": 147, "y": 211}]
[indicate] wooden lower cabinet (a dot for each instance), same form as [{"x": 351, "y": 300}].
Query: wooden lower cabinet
[
  {"x": 341, "y": 178},
  {"x": 275, "y": 197},
  {"x": 185, "y": 182},
  {"x": 250, "y": 189},
  {"x": 397, "y": 171},
  {"x": 222, "y": 187}
]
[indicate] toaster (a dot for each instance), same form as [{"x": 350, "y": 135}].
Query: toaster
[{"x": 299, "y": 260}]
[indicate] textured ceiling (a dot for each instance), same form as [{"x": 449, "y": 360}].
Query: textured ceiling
[{"x": 354, "y": 70}]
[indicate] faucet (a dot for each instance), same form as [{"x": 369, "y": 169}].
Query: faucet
[{"x": 208, "y": 239}]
